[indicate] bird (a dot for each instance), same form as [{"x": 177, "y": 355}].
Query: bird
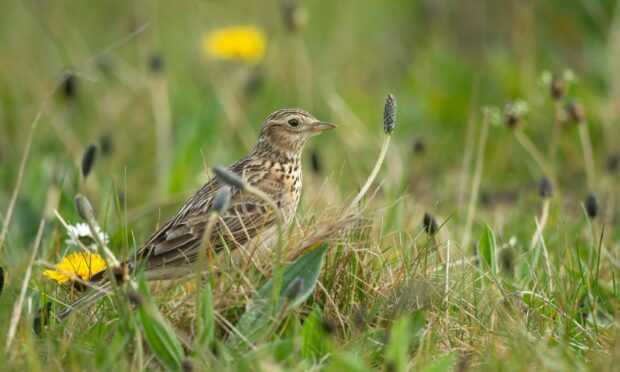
[{"x": 248, "y": 223}]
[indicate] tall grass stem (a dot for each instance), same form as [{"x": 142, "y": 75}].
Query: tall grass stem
[
  {"x": 588, "y": 157},
  {"x": 531, "y": 149},
  {"x": 373, "y": 174},
  {"x": 475, "y": 188},
  {"x": 544, "y": 216}
]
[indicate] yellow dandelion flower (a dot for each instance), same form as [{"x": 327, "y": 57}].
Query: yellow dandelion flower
[
  {"x": 78, "y": 264},
  {"x": 245, "y": 43}
]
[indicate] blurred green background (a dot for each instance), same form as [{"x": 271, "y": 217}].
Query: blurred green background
[
  {"x": 133, "y": 78},
  {"x": 136, "y": 64}
]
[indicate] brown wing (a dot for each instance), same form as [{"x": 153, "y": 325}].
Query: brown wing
[{"x": 177, "y": 242}]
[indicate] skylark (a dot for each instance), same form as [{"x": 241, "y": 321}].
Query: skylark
[{"x": 273, "y": 167}]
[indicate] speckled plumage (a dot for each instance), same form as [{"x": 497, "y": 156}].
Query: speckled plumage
[{"x": 273, "y": 166}]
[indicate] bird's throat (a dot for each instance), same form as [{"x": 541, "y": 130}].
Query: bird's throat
[{"x": 281, "y": 151}]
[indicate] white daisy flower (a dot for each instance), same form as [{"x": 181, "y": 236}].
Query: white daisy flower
[{"x": 81, "y": 232}]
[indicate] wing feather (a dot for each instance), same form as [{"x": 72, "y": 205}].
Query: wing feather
[
  {"x": 235, "y": 229},
  {"x": 177, "y": 242}
]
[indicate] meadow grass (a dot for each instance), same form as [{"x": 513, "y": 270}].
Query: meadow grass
[{"x": 485, "y": 236}]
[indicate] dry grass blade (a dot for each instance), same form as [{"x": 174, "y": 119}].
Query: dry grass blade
[
  {"x": 329, "y": 231},
  {"x": 17, "y": 308}
]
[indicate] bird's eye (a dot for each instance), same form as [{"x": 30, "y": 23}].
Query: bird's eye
[{"x": 293, "y": 122}]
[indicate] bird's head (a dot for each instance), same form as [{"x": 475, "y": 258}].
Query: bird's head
[{"x": 289, "y": 129}]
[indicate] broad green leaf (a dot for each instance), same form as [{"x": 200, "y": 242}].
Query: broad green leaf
[
  {"x": 487, "y": 247},
  {"x": 158, "y": 333},
  {"x": 259, "y": 314},
  {"x": 307, "y": 267},
  {"x": 402, "y": 335}
]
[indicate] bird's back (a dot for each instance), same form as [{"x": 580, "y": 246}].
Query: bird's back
[{"x": 246, "y": 225}]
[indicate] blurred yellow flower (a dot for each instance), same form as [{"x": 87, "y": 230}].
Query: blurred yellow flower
[
  {"x": 246, "y": 43},
  {"x": 78, "y": 264}
]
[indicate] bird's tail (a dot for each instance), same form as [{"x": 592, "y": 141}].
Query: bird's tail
[{"x": 101, "y": 290}]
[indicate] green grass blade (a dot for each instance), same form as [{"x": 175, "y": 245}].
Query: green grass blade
[
  {"x": 205, "y": 318},
  {"x": 487, "y": 248},
  {"x": 402, "y": 336},
  {"x": 314, "y": 342},
  {"x": 159, "y": 334}
]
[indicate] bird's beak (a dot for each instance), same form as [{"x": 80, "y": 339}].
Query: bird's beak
[{"x": 320, "y": 126}]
